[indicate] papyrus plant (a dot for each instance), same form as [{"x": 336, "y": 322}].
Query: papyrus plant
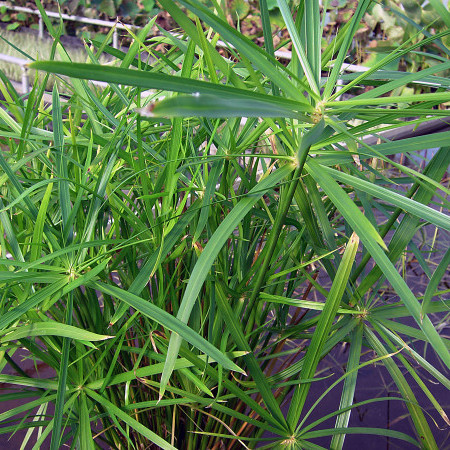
[{"x": 185, "y": 272}]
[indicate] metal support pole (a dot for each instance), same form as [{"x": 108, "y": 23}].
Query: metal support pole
[
  {"x": 41, "y": 28},
  {"x": 339, "y": 86},
  {"x": 25, "y": 80},
  {"x": 115, "y": 39}
]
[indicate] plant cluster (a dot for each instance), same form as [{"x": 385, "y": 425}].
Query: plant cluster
[
  {"x": 92, "y": 8},
  {"x": 399, "y": 22},
  {"x": 13, "y": 20},
  {"x": 183, "y": 272}
]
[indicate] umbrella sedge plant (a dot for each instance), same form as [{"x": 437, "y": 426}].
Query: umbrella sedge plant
[{"x": 183, "y": 273}]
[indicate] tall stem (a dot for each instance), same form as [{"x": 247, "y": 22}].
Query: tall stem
[{"x": 269, "y": 249}]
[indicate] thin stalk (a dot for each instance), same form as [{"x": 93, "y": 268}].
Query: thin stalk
[
  {"x": 58, "y": 420},
  {"x": 285, "y": 204}
]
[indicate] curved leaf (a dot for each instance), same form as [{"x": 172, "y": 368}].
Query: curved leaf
[{"x": 51, "y": 329}]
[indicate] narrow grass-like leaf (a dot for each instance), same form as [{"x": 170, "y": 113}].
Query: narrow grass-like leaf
[
  {"x": 361, "y": 430},
  {"x": 225, "y": 66},
  {"x": 348, "y": 391},
  {"x": 391, "y": 148},
  {"x": 26, "y": 407},
  {"x": 425, "y": 435},
  {"x": 420, "y": 360},
  {"x": 160, "y": 81},
  {"x": 419, "y": 27},
  {"x": 311, "y": 37},
  {"x": 151, "y": 264},
  {"x": 316, "y": 306},
  {"x": 203, "y": 105},
  {"x": 39, "y": 383},
  {"x": 32, "y": 301},
  {"x": 208, "y": 256},
  {"x": 30, "y": 277},
  {"x": 438, "y": 274},
  {"x": 384, "y": 333},
  {"x": 249, "y": 49},
  {"x": 133, "y": 423},
  {"x": 352, "y": 215},
  {"x": 440, "y": 97},
  {"x": 404, "y": 49},
  {"x": 58, "y": 429},
  {"x": 442, "y": 11},
  {"x": 86, "y": 440},
  {"x": 301, "y": 53},
  {"x": 61, "y": 159},
  {"x": 320, "y": 335},
  {"x": 345, "y": 203},
  {"x": 44, "y": 433},
  {"x": 50, "y": 328},
  {"x": 252, "y": 364},
  {"x": 187, "y": 219},
  {"x": 168, "y": 321},
  {"x": 417, "y": 209},
  {"x": 403, "y": 81},
  {"x": 348, "y": 39},
  {"x": 154, "y": 369},
  {"x": 36, "y": 243}
]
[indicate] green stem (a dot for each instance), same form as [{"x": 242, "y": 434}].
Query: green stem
[
  {"x": 285, "y": 202},
  {"x": 62, "y": 382},
  {"x": 273, "y": 240}
]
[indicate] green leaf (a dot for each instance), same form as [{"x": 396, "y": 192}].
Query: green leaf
[
  {"x": 343, "y": 201},
  {"x": 349, "y": 34},
  {"x": 315, "y": 306},
  {"x": 413, "y": 207},
  {"x": 133, "y": 423},
  {"x": 275, "y": 72},
  {"x": 13, "y": 26},
  {"x": 442, "y": 11},
  {"x": 438, "y": 274},
  {"x": 361, "y": 430},
  {"x": 40, "y": 277},
  {"x": 232, "y": 322},
  {"x": 86, "y": 440},
  {"x": 58, "y": 430},
  {"x": 348, "y": 391},
  {"x": 39, "y": 383},
  {"x": 204, "y": 105},
  {"x": 322, "y": 330},
  {"x": 168, "y": 321},
  {"x": 153, "y": 262},
  {"x": 154, "y": 369},
  {"x": 32, "y": 301},
  {"x": 61, "y": 159},
  {"x": 208, "y": 256},
  {"x": 370, "y": 240},
  {"x": 5, "y": 415},
  {"x": 426, "y": 437},
  {"x": 50, "y": 328},
  {"x": 36, "y": 243},
  {"x": 439, "y": 97},
  {"x": 161, "y": 81},
  {"x": 311, "y": 76}
]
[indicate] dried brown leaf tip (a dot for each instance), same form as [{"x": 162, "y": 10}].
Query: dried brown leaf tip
[{"x": 147, "y": 110}]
